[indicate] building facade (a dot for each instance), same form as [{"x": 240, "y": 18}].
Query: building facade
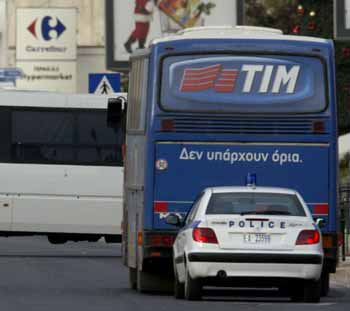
[{"x": 90, "y": 34}]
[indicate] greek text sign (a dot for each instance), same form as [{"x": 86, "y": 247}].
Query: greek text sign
[{"x": 48, "y": 76}]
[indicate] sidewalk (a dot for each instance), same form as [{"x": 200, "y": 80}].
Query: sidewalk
[{"x": 342, "y": 277}]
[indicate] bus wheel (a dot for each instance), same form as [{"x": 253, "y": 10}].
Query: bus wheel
[
  {"x": 113, "y": 238},
  {"x": 152, "y": 282},
  {"x": 133, "y": 278},
  {"x": 56, "y": 239},
  {"x": 145, "y": 282},
  {"x": 324, "y": 283},
  {"x": 93, "y": 238}
]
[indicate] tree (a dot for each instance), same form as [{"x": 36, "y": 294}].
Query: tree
[{"x": 308, "y": 18}]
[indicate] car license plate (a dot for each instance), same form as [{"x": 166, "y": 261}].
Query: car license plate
[{"x": 256, "y": 238}]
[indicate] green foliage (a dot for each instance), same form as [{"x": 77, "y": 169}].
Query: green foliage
[
  {"x": 308, "y": 18},
  {"x": 271, "y": 13},
  {"x": 344, "y": 166}
]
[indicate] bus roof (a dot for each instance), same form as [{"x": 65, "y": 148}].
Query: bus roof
[
  {"x": 236, "y": 32},
  {"x": 17, "y": 98}
]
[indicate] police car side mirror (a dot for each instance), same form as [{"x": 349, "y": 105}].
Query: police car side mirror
[
  {"x": 320, "y": 222},
  {"x": 116, "y": 111},
  {"x": 174, "y": 220}
]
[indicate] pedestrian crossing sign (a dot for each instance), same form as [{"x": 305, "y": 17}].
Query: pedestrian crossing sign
[{"x": 104, "y": 83}]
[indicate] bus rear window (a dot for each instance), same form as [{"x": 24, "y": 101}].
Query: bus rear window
[{"x": 248, "y": 84}]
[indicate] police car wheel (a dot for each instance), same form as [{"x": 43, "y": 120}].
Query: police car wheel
[
  {"x": 324, "y": 284},
  {"x": 297, "y": 292},
  {"x": 312, "y": 291},
  {"x": 179, "y": 288},
  {"x": 193, "y": 288}
]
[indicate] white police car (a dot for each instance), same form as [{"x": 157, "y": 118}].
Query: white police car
[{"x": 248, "y": 236}]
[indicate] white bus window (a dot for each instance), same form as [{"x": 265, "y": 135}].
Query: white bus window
[
  {"x": 74, "y": 137},
  {"x": 42, "y": 127},
  {"x": 42, "y": 137}
]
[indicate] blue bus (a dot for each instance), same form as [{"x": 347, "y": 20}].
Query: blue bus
[{"x": 207, "y": 107}]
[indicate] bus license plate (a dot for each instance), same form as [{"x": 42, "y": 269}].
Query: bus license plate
[{"x": 257, "y": 238}]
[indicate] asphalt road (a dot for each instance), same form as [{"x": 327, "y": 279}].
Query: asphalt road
[{"x": 35, "y": 275}]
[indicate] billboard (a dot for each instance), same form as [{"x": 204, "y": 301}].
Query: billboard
[
  {"x": 342, "y": 19},
  {"x": 3, "y": 34},
  {"x": 132, "y": 24}
]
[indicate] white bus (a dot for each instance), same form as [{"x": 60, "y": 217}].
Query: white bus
[{"x": 61, "y": 172}]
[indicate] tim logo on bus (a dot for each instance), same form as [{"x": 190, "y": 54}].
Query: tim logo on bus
[{"x": 273, "y": 78}]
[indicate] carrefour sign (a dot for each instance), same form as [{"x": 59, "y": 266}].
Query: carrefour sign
[{"x": 46, "y": 34}]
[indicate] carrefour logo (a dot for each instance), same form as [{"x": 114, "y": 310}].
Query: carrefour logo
[{"x": 49, "y": 28}]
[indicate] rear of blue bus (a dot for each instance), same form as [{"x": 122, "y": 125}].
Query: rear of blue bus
[{"x": 223, "y": 109}]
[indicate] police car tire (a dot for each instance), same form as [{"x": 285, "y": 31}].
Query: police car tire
[
  {"x": 312, "y": 291},
  {"x": 324, "y": 284},
  {"x": 297, "y": 292},
  {"x": 179, "y": 288},
  {"x": 193, "y": 288}
]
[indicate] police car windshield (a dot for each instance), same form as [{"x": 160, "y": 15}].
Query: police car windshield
[{"x": 255, "y": 204}]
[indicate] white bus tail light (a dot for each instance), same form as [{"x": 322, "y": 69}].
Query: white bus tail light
[{"x": 161, "y": 164}]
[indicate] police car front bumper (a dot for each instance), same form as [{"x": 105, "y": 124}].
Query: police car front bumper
[{"x": 301, "y": 266}]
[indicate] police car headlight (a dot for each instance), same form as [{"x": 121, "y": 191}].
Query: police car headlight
[{"x": 161, "y": 164}]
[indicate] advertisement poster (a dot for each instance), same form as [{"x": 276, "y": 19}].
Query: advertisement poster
[
  {"x": 137, "y": 22},
  {"x": 3, "y": 34}
]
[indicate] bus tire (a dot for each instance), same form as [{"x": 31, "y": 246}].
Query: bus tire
[
  {"x": 152, "y": 282},
  {"x": 133, "y": 278},
  {"x": 324, "y": 283},
  {"x": 56, "y": 239},
  {"x": 146, "y": 282},
  {"x": 112, "y": 238}
]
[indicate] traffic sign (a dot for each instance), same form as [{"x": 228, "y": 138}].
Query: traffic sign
[{"x": 104, "y": 83}]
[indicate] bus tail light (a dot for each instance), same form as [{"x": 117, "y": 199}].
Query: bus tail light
[
  {"x": 139, "y": 239},
  {"x": 320, "y": 209},
  {"x": 307, "y": 237},
  {"x": 204, "y": 235},
  {"x": 340, "y": 239},
  {"x": 160, "y": 240},
  {"x": 318, "y": 127},
  {"x": 160, "y": 207},
  {"x": 167, "y": 125},
  {"x": 327, "y": 241}
]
